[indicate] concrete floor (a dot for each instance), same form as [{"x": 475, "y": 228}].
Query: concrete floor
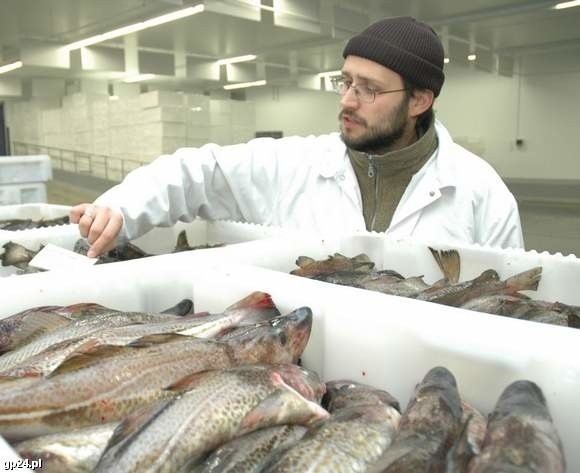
[{"x": 553, "y": 228}]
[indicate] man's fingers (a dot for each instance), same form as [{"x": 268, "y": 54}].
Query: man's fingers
[
  {"x": 87, "y": 220},
  {"x": 77, "y": 212},
  {"x": 106, "y": 237}
]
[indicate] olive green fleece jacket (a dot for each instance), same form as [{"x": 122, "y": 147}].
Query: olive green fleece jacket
[{"x": 384, "y": 178}]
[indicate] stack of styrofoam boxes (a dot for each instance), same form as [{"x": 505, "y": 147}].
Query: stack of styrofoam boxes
[
  {"x": 23, "y": 178},
  {"x": 25, "y": 123},
  {"x": 220, "y": 121},
  {"x": 52, "y": 129},
  {"x": 163, "y": 123},
  {"x": 197, "y": 120},
  {"x": 99, "y": 111},
  {"x": 243, "y": 115},
  {"x": 125, "y": 134}
]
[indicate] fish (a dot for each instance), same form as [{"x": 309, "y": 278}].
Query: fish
[
  {"x": 77, "y": 451},
  {"x": 248, "y": 453},
  {"x": 212, "y": 408},
  {"x": 254, "y": 308},
  {"x": 183, "y": 245},
  {"x": 428, "y": 427},
  {"x": 347, "y": 393},
  {"x": 108, "y": 383},
  {"x": 17, "y": 255},
  {"x": 487, "y": 283},
  {"x": 95, "y": 318},
  {"x": 362, "y": 424},
  {"x": 28, "y": 223},
  {"x": 469, "y": 442},
  {"x": 521, "y": 436},
  {"x": 311, "y": 268}
]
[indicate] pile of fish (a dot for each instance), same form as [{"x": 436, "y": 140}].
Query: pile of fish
[
  {"x": 19, "y": 256},
  {"x": 486, "y": 293},
  {"x": 158, "y": 390},
  {"x": 28, "y": 223}
]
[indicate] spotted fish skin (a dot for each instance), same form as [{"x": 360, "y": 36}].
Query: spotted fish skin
[{"x": 214, "y": 407}]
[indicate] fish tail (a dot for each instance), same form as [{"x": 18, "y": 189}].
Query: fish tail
[{"x": 526, "y": 281}]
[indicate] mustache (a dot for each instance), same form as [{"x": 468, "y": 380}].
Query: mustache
[{"x": 352, "y": 117}]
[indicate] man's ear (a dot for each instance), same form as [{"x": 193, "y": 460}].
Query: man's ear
[{"x": 420, "y": 101}]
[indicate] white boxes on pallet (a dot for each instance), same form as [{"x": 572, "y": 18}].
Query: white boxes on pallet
[
  {"x": 19, "y": 169},
  {"x": 163, "y": 114},
  {"x": 34, "y": 211},
  {"x": 385, "y": 341},
  {"x": 11, "y": 194},
  {"x": 161, "y": 98}
]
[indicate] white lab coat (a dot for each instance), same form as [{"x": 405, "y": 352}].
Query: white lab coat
[{"x": 308, "y": 183}]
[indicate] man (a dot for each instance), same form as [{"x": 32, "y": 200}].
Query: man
[{"x": 392, "y": 169}]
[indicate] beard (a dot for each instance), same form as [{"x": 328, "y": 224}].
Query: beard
[{"x": 379, "y": 138}]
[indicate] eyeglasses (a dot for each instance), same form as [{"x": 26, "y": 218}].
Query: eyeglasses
[{"x": 362, "y": 92}]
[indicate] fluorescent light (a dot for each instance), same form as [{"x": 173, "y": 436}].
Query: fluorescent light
[
  {"x": 446, "y": 60},
  {"x": 10, "y": 67},
  {"x": 138, "y": 78},
  {"x": 242, "y": 85},
  {"x": 125, "y": 30},
  {"x": 196, "y": 109},
  {"x": 113, "y": 97},
  {"x": 472, "y": 57},
  {"x": 560, "y": 6},
  {"x": 329, "y": 74},
  {"x": 232, "y": 60}
]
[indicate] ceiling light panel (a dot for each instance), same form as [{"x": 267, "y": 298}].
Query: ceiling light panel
[{"x": 125, "y": 30}]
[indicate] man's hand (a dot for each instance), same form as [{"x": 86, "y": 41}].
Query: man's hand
[{"x": 99, "y": 225}]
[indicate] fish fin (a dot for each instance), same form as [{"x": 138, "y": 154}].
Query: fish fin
[
  {"x": 157, "y": 339},
  {"x": 304, "y": 261},
  {"x": 182, "y": 243},
  {"x": 256, "y": 300},
  {"x": 449, "y": 263},
  {"x": 283, "y": 406},
  {"x": 188, "y": 382},
  {"x": 362, "y": 258},
  {"x": 525, "y": 281},
  {"x": 85, "y": 357},
  {"x": 184, "y": 307},
  {"x": 135, "y": 421}
]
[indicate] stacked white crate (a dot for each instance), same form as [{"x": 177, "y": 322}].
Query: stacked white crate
[
  {"x": 162, "y": 122},
  {"x": 197, "y": 120},
  {"x": 243, "y": 115},
  {"x": 23, "y": 179}
]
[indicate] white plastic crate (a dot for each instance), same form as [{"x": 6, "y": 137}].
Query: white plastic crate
[
  {"x": 18, "y": 169},
  {"x": 34, "y": 211},
  {"x": 158, "y": 241},
  {"x": 22, "y": 193},
  {"x": 385, "y": 341}
]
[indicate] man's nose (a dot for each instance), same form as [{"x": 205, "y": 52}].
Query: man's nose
[{"x": 349, "y": 99}]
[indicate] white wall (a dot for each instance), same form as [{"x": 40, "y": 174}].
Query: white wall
[{"x": 480, "y": 110}]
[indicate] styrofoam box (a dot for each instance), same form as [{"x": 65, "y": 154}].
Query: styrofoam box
[
  {"x": 34, "y": 211},
  {"x": 163, "y": 114},
  {"x": 160, "y": 98},
  {"x": 156, "y": 242},
  {"x": 18, "y": 169},
  {"x": 11, "y": 194},
  {"x": 385, "y": 341}
]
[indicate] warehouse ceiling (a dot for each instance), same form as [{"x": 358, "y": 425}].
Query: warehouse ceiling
[{"x": 293, "y": 40}]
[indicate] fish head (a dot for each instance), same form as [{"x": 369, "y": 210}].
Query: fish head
[{"x": 278, "y": 340}]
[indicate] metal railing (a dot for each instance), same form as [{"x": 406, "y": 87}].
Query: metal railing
[{"x": 80, "y": 162}]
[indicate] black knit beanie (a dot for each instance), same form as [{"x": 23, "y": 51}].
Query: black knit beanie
[{"x": 405, "y": 45}]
